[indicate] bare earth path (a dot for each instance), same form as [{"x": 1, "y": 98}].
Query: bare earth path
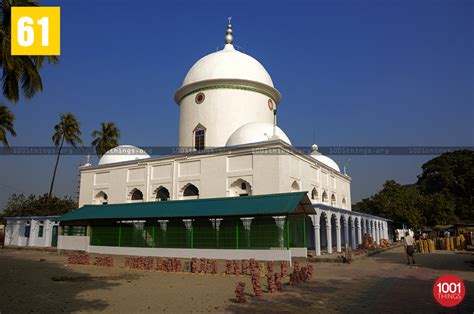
[{"x": 382, "y": 283}]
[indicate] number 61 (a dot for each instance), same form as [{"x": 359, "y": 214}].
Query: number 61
[{"x": 26, "y": 33}]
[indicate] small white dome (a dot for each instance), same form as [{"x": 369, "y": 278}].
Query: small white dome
[
  {"x": 228, "y": 63},
  {"x": 323, "y": 159},
  {"x": 123, "y": 153},
  {"x": 255, "y": 132}
]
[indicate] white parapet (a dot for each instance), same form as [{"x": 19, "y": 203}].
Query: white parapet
[
  {"x": 262, "y": 255},
  {"x": 73, "y": 243}
]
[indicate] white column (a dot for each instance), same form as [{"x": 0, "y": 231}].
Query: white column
[
  {"x": 328, "y": 234},
  {"x": 359, "y": 232},
  {"x": 247, "y": 221},
  {"x": 353, "y": 241},
  {"x": 346, "y": 231},
  {"x": 317, "y": 238},
  {"x": 280, "y": 222},
  {"x": 338, "y": 233},
  {"x": 376, "y": 230}
]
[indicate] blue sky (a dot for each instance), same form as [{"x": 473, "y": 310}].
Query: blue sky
[{"x": 352, "y": 72}]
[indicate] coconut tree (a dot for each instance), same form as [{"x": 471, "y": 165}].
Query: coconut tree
[
  {"x": 67, "y": 130},
  {"x": 19, "y": 73},
  {"x": 6, "y": 124},
  {"x": 106, "y": 138}
]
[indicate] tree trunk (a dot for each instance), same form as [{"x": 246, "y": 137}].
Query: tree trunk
[{"x": 56, "y": 167}]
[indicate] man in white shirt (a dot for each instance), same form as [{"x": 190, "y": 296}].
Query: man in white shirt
[{"x": 409, "y": 244}]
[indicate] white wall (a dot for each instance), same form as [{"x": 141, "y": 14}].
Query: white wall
[
  {"x": 15, "y": 231},
  {"x": 212, "y": 174},
  {"x": 74, "y": 243},
  {"x": 222, "y": 112}
]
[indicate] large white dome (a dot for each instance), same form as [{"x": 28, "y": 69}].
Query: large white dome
[
  {"x": 123, "y": 153},
  {"x": 228, "y": 63},
  {"x": 255, "y": 132},
  {"x": 323, "y": 159}
]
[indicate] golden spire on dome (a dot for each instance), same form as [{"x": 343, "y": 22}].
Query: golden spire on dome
[{"x": 229, "y": 39}]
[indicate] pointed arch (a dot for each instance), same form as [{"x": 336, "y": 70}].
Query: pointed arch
[
  {"x": 344, "y": 203},
  {"x": 315, "y": 195},
  {"x": 101, "y": 198},
  {"x": 199, "y": 138},
  {"x": 136, "y": 195},
  {"x": 190, "y": 191},
  {"x": 325, "y": 197},
  {"x": 240, "y": 187},
  {"x": 295, "y": 186},
  {"x": 162, "y": 193},
  {"x": 333, "y": 200}
]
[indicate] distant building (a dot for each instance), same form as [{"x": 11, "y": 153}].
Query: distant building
[{"x": 34, "y": 231}]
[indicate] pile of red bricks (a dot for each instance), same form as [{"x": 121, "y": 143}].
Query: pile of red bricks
[
  {"x": 252, "y": 265},
  {"x": 139, "y": 262},
  {"x": 214, "y": 267},
  {"x": 257, "y": 289},
  {"x": 202, "y": 265},
  {"x": 240, "y": 292},
  {"x": 278, "y": 281},
  {"x": 78, "y": 258},
  {"x": 272, "y": 287},
  {"x": 270, "y": 267},
  {"x": 245, "y": 267},
  {"x": 284, "y": 269},
  {"x": 194, "y": 266},
  {"x": 228, "y": 267},
  {"x": 310, "y": 271},
  {"x": 106, "y": 261},
  {"x": 236, "y": 267}
]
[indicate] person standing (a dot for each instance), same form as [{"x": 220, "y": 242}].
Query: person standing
[{"x": 409, "y": 244}]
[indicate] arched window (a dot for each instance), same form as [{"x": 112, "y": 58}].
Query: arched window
[
  {"x": 199, "y": 137},
  {"x": 240, "y": 187},
  {"x": 191, "y": 192},
  {"x": 101, "y": 198},
  {"x": 315, "y": 195},
  {"x": 136, "y": 195},
  {"x": 162, "y": 194},
  {"x": 295, "y": 187},
  {"x": 333, "y": 200},
  {"x": 344, "y": 202},
  {"x": 325, "y": 197}
]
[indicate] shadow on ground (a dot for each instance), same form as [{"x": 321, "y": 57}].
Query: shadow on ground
[
  {"x": 368, "y": 295},
  {"x": 440, "y": 260},
  {"x": 31, "y": 285}
]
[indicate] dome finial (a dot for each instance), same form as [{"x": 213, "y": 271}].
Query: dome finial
[{"x": 229, "y": 39}]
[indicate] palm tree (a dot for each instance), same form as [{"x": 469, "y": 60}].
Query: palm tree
[
  {"x": 18, "y": 70},
  {"x": 67, "y": 130},
  {"x": 105, "y": 139},
  {"x": 6, "y": 124}
]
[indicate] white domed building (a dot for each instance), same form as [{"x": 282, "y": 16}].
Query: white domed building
[{"x": 236, "y": 169}]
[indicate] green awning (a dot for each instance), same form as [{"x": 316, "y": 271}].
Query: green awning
[{"x": 270, "y": 204}]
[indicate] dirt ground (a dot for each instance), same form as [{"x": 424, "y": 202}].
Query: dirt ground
[{"x": 381, "y": 283}]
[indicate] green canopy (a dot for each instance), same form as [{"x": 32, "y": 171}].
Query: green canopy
[{"x": 270, "y": 204}]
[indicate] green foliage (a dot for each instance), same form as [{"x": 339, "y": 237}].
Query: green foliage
[
  {"x": 18, "y": 72},
  {"x": 451, "y": 176},
  {"x": 443, "y": 193},
  {"x": 6, "y": 124},
  {"x": 67, "y": 130},
  {"x": 32, "y": 205},
  {"x": 106, "y": 138}
]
